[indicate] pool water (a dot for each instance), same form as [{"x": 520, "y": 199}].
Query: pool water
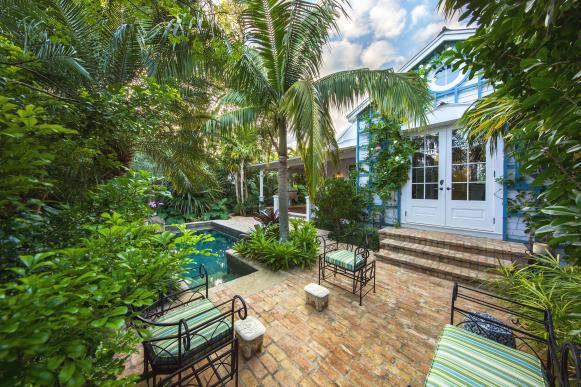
[{"x": 221, "y": 267}]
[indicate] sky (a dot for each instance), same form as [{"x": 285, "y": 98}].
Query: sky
[{"x": 381, "y": 34}]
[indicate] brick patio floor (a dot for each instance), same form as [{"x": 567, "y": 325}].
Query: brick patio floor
[{"x": 388, "y": 341}]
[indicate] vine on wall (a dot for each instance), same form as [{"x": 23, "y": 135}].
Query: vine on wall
[{"x": 390, "y": 154}]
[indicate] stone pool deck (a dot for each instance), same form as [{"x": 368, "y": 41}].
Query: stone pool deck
[{"x": 389, "y": 341}]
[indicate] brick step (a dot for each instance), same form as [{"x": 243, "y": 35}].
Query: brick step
[
  {"x": 435, "y": 268},
  {"x": 484, "y": 246},
  {"x": 472, "y": 260}
]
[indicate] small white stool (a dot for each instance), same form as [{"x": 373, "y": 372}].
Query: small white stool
[
  {"x": 317, "y": 295},
  {"x": 250, "y": 333}
]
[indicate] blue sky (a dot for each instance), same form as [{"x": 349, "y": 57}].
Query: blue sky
[{"x": 381, "y": 34}]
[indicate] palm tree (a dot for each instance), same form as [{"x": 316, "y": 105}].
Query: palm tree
[{"x": 274, "y": 78}]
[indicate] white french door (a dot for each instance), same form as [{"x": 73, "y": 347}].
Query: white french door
[
  {"x": 424, "y": 194},
  {"x": 451, "y": 183}
]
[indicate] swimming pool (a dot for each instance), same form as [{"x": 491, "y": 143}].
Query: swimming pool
[{"x": 221, "y": 267}]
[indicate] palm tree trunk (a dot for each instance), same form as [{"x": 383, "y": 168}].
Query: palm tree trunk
[
  {"x": 236, "y": 187},
  {"x": 282, "y": 180},
  {"x": 242, "y": 193}
]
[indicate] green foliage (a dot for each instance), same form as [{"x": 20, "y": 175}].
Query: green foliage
[
  {"x": 565, "y": 227},
  {"x": 146, "y": 194},
  {"x": 530, "y": 53},
  {"x": 338, "y": 205},
  {"x": 26, "y": 155},
  {"x": 65, "y": 314},
  {"x": 217, "y": 210},
  {"x": 390, "y": 154},
  {"x": 547, "y": 284},
  {"x": 263, "y": 245},
  {"x": 359, "y": 235}
]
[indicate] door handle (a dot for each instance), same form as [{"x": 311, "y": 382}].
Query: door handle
[
  {"x": 441, "y": 188},
  {"x": 448, "y": 188}
]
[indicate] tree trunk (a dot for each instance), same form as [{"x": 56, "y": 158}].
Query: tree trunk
[
  {"x": 236, "y": 188},
  {"x": 242, "y": 193},
  {"x": 282, "y": 180}
]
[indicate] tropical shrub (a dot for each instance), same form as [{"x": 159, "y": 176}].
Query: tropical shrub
[
  {"x": 359, "y": 235},
  {"x": 26, "y": 155},
  {"x": 547, "y": 284},
  {"x": 65, "y": 314},
  {"x": 339, "y": 205},
  {"x": 263, "y": 245}
]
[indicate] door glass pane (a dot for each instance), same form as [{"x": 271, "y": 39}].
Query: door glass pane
[
  {"x": 459, "y": 191},
  {"x": 418, "y": 160},
  {"x": 431, "y": 174},
  {"x": 417, "y": 191},
  {"x": 432, "y": 191},
  {"x": 477, "y": 154},
  {"x": 458, "y": 141},
  {"x": 425, "y": 167},
  {"x": 459, "y": 173},
  {"x": 477, "y": 191},
  {"x": 478, "y": 172},
  {"x": 459, "y": 155},
  {"x": 431, "y": 146},
  {"x": 417, "y": 175}
]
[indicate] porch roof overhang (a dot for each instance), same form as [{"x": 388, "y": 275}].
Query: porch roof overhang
[
  {"x": 296, "y": 162},
  {"x": 443, "y": 114}
]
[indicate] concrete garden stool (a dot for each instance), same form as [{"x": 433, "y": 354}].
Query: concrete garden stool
[
  {"x": 250, "y": 333},
  {"x": 316, "y": 295}
]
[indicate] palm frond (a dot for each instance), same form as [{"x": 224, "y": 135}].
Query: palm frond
[
  {"x": 264, "y": 24},
  {"x": 125, "y": 55},
  {"x": 249, "y": 74},
  {"x": 402, "y": 96},
  {"x": 313, "y": 127},
  {"x": 233, "y": 120},
  {"x": 308, "y": 30}
]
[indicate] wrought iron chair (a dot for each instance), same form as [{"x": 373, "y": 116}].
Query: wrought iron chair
[
  {"x": 188, "y": 340},
  {"x": 347, "y": 260},
  {"x": 469, "y": 358}
]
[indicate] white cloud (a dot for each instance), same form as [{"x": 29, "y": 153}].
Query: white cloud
[
  {"x": 428, "y": 32},
  {"x": 380, "y": 53},
  {"x": 357, "y": 22},
  {"x": 387, "y": 18},
  {"x": 419, "y": 12},
  {"x": 341, "y": 55}
]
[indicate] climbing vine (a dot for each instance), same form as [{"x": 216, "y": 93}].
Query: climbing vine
[{"x": 390, "y": 154}]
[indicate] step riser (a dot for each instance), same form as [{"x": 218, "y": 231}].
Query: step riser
[
  {"x": 430, "y": 271},
  {"x": 452, "y": 246},
  {"x": 452, "y": 260}
]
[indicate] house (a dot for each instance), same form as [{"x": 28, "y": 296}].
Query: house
[{"x": 453, "y": 186}]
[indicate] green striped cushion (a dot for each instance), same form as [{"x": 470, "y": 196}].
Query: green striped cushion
[
  {"x": 194, "y": 314},
  {"x": 344, "y": 259},
  {"x": 466, "y": 359}
]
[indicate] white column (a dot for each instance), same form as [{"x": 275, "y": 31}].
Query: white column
[
  {"x": 261, "y": 185},
  {"x": 308, "y": 207},
  {"x": 275, "y": 202}
]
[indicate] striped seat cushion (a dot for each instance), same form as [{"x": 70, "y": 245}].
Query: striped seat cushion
[
  {"x": 194, "y": 314},
  {"x": 465, "y": 359},
  {"x": 344, "y": 259}
]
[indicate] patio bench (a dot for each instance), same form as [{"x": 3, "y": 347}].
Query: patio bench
[
  {"x": 465, "y": 358},
  {"x": 349, "y": 261},
  {"x": 186, "y": 335}
]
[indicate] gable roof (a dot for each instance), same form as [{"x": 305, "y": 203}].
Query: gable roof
[{"x": 446, "y": 35}]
